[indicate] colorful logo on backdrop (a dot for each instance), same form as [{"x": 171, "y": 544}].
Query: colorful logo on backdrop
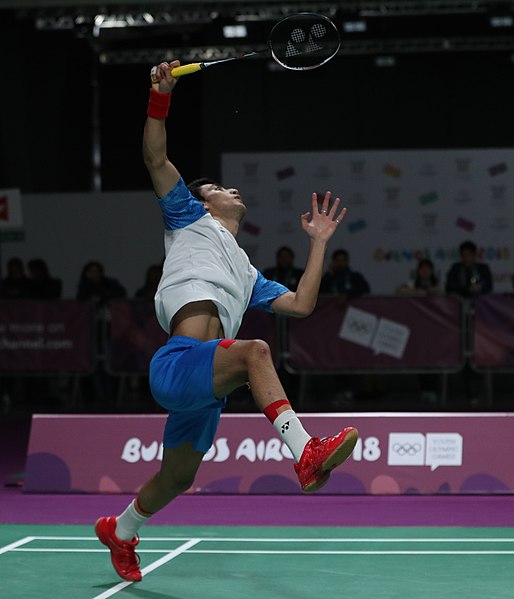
[
  {"x": 497, "y": 169},
  {"x": 428, "y": 198},
  {"x": 357, "y": 225},
  {"x": 487, "y": 254},
  {"x": 285, "y": 173},
  {"x": 392, "y": 171}
]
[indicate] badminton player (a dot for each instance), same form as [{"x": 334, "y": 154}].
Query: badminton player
[{"x": 207, "y": 284}]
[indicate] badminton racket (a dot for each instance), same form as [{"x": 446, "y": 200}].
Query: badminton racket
[{"x": 299, "y": 42}]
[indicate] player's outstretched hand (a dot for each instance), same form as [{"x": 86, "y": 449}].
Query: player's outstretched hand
[
  {"x": 162, "y": 79},
  {"x": 321, "y": 224}
]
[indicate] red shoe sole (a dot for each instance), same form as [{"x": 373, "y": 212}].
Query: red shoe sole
[
  {"x": 336, "y": 458},
  {"x": 317, "y": 483},
  {"x": 343, "y": 452}
]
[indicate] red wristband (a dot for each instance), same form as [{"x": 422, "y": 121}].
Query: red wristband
[{"x": 158, "y": 104}]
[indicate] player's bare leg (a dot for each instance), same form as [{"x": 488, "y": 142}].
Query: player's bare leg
[
  {"x": 176, "y": 475},
  {"x": 250, "y": 361}
]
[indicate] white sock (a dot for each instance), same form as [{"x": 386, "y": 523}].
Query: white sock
[
  {"x": 290, "y": 429},
  {"x": 129, "y": 522}
]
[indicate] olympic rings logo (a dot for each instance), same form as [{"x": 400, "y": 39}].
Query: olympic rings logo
[
  {"x": 359, "y": 326},
  {"x": 407, "y": 449}
]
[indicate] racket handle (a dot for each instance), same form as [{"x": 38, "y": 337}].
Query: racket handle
[{"x": 187, "y": 69}]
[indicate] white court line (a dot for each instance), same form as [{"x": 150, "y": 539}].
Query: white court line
[
  {"x": 53, "y": 538},
  {"x": 171, "y": 555},
  {"x": 307, "y": 540},
  {"x": 286, "y": 551},
  {"x": 12, "y": 546},
  {"x": 343, "y": 540},
  {"x": 294, "y": 552}
]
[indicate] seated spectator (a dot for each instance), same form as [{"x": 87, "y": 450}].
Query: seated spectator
[
  {"x": 341, "y": 280},
  {"x": 469, "y": 278},
  {"x": 94, "y": 285},
  {"x": 423, "y": 283},
  {"x": 40, "y": 284},
  {"x": 14, "y": 285},
  {"x": 284, "y": 271},
  {"x": 153, "y": 276}
]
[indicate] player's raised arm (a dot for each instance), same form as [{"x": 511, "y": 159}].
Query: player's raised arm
[
  {"x": 162, "y": 172},
  {"x": 319, "y": 226}
]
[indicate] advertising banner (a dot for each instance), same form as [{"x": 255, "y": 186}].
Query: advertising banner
[
  {"x": 135, "y": 334},
  {"x": 396, "y": 454},
  {"x": 43, "y": 336},
  {"x": 393, "y": 333}
]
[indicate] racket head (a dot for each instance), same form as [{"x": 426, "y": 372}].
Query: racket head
[{"x": 304, "y": 41}]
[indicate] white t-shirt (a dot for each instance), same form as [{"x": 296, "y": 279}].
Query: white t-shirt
[{"x": 204, "y": 262}]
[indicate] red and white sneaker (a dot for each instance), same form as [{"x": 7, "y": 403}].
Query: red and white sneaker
[
  {"x": 123, "y": 555},
  {"x": 321, "y": 456}
]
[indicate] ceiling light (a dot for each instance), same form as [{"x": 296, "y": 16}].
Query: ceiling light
[{"x": 232, "y": 31}]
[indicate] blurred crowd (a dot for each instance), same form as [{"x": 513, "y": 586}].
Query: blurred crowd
[{"x": 466, "y": 278}]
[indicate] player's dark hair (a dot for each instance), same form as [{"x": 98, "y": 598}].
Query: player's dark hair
[{"x": 194, "y": 186}]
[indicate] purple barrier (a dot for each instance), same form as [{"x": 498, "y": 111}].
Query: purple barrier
[
  {"x": 45, "y": 336},
  {"x": 136, "y": 335},
  {"x": 493, "y": 333},
  {"x": 390, "y": 333},
  {"x": 397, "y": 454}
]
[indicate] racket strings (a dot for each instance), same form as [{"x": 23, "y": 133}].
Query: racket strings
[
  {"x": 297, "y": 44},
  {"x": 304, "y": 41}
]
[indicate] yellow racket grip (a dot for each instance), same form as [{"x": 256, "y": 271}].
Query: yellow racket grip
[{"x": 187, "y": 69}]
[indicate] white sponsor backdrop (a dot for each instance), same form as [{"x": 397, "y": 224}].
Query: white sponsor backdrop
[{"x": 402, "y": 205}]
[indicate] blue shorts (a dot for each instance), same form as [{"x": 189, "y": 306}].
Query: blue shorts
[{"x": 181, "y": 382}]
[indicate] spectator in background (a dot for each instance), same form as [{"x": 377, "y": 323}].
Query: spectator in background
[
  {"x": 284, "y": 271},
  {"x": 14, "y": 285},
  {"x": 94, "y": 285},
  {"x": 469, "y": 278},
  {"x": 153, "y": 276},
  {"x": 40, "y": 284},
  {"x": 424, "y": 283},
  {"x": 341, "y": 280}
]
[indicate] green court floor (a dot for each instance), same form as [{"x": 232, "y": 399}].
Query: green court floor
[{"x": 67, "y": 562}]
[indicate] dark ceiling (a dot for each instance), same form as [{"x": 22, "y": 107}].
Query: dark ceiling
[{"x": 136, "y": 32}]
